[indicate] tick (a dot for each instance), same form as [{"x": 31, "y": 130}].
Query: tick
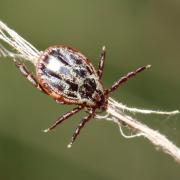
[{"x": 69, "y": 78}]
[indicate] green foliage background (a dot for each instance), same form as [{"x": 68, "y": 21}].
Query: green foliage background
[{"x": 135, "y": 33}]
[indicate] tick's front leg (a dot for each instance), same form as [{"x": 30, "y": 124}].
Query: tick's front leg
[{"x": 126, "y": 77}]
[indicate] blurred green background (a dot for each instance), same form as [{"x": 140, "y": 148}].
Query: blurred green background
[{"x": 135, "y": 33}]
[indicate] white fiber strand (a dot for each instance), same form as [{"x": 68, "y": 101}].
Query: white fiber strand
[
  {"x": 143, "y": 111},
  {"x": 5, "y": 53}
]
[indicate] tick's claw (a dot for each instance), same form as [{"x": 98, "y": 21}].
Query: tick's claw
[
  {"x": 148, "y": 66},
  {"x": 46, "y": 130},
  {"x": 104, "y": 48},
  {"x": 69, "y": 145}
]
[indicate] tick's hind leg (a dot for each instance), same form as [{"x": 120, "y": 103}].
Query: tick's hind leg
[
  {"x": 126, "y": 77},
  {"x": 80, "y": 126},
  {"x": 64, "y": 117},
  {"x": 24, "y": 71},
  {"x": 101, "y": 62}
]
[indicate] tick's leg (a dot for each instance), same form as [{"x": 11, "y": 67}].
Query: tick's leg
[
  {"x": 126, "y": 77},
  {"x": 24, "y": 71},
  {"x": 101, "y": 62},
  {"x": 80, "y": 126},
  {"x": 64, "y": 117}
]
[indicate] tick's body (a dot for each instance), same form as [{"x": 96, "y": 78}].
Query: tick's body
[{"x": 69, "y": 77}]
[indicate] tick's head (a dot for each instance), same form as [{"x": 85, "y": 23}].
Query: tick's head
[
  {"x": 101, "y": 100},
  {"x": 92, "y": 92}
]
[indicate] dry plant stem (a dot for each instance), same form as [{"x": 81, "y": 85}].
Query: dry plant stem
[
  {"x": 156, "y": 138},
  {"x": 24, "y": 50}
]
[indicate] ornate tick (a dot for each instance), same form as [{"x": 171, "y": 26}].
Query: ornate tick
[{"x": 68, "y": 76}]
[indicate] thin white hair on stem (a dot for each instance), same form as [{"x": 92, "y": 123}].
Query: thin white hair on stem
[
  {"x": 115, "y": 110},
  {"x": 143, "y": 111},
  {"x": 24, "y": 48},
  {"x": 102, "y": 116},
  {"x": 132, "y": 135},
  {"x": 5, "y": 53}
]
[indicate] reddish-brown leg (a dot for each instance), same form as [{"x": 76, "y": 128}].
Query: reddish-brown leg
[
  {"x": 101, "y": 62},
  {"x": 80, "y": 126},
  {"x": 64, "y": 117},
  {"x": 24, "y": 71},
  {"x": 126, "y": 77}
]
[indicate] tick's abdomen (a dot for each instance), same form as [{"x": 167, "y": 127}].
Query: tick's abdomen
[{"x": 68, "y": 76}]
